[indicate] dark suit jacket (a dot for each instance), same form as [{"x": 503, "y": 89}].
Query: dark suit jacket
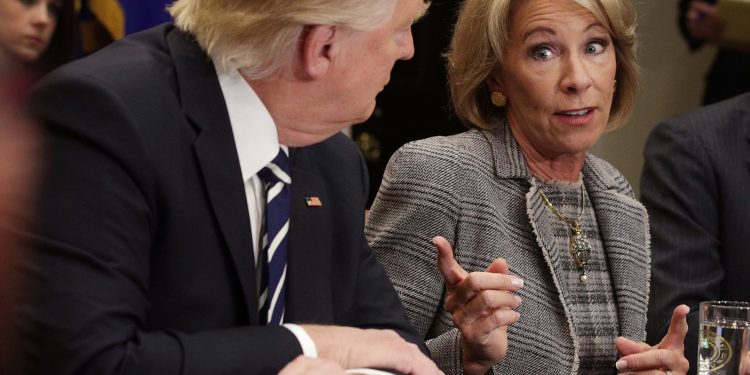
[
  {"x": 144, "y": 263},
  {"x": 695, "y": 185}
]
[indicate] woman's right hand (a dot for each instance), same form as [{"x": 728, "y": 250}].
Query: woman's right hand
[{"x": 481, "y": 304}]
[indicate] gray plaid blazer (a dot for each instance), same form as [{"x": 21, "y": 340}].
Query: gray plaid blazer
[{"x": 475, "y": 190}]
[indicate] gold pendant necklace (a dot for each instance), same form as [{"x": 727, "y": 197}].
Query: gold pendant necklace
[{"x": 580, "y": 248}]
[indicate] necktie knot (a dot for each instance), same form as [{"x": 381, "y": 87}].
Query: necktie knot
[{"x": 277, "y": 170}]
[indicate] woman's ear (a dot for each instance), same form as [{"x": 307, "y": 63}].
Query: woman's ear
[
  {"x": 493, "y": 81},
  {"x": 317, "y": 50}
]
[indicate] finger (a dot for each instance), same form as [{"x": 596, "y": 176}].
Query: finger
[
  {"x": 451, "y": 270},
  {"x": 479, "y": 328},
  {"x": 627, "y": 347},
  {"x": 414, "y": 362},
  {"x": 485, "y": 303},
  {"x": 678, "y": 328},
  {"x": 654, "y": 360},
  {"x": 745, "y": 365},
  {"x": 476, "y": 282},
  {"x": 499, "y": 265}
]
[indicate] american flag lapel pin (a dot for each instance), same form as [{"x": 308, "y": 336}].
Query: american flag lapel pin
[{"x": 313, "y": 202}]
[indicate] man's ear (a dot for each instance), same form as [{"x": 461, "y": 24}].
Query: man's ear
[{"x": 317, "y": 43}]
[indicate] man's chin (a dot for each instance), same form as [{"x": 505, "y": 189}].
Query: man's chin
[{"x": 365, "y": 116}]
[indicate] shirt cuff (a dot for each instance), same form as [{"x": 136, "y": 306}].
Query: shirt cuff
[{"x": 305, "y": 341}]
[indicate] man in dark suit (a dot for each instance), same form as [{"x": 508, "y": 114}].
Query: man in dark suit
[
  {"x": 151, "y": 254},
  {"x": 695, "y": 186}
]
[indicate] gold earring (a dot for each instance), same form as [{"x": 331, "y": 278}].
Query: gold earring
[{"x": 498, "y": 99}]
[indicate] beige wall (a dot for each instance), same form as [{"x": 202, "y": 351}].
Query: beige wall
[{"x": 671, "y": 82}]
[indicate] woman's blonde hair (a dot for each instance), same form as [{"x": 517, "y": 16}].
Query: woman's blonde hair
[
  {"x": 260, "y": 36},
  {"x": 481, "y": 35}
]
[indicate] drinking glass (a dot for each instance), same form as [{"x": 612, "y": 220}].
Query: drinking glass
[{"x": 724, "y": 337}]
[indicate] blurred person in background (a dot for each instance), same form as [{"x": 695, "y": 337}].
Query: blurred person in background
[
  {"x": 26, "y": 29},
  {"x": 544, "y": 263},
  {"x": 729, "y": 74},
  {"x": 19, "y": 159}
]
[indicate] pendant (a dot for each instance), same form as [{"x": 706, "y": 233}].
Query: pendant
[{"x": 580, "y": 250}]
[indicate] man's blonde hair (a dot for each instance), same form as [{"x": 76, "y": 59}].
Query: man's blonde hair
[
  {"x": 481, "y": 35},
  {"x": 261, "y": 36}
]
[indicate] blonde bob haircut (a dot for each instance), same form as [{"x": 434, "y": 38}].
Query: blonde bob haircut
[
  {"x": 477, "y": 49},
  {"x": 260, "y": 36}
]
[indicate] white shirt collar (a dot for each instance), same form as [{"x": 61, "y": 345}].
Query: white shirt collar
[{"x": 254, "y": 131}]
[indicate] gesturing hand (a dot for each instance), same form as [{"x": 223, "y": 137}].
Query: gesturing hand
[
  {"x": 481, "y": 305},
  {"x": 745, "y": 364},
  {"x": 668, "y": 355}
]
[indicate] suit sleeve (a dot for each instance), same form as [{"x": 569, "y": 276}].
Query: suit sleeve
[
  {"x": 679, "y": 189},
  {"x": 418, "y": 199},
  {"x": 378, "y": 305},
  {"x": 89, "y": 276}
]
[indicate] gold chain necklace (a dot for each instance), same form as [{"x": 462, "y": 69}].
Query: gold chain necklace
[{"x": 580, "y": 248}]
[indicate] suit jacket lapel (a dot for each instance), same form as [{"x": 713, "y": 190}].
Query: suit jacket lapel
[
  {"x": 624, "y": 227},
  {"x": 204, "y": 105},
  {"x": 510, "y": 163},
  {"x": 309, "y": 260}
]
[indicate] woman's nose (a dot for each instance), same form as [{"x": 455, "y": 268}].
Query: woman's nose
[
  {"x": 41, "y": 16},
  {"x": 576, "y": 76}
]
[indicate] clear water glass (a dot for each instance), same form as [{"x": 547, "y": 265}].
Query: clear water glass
[{"x": 724, "y": 337}]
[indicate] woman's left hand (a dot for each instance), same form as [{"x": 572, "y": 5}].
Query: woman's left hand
[{"x": 667, "y": 357}]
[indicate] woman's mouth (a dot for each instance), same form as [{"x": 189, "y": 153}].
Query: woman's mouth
[
  {"x": 34, "y": 41},
  {"x": 581, "y": 112},
  {"x": 576, "y": 116}
]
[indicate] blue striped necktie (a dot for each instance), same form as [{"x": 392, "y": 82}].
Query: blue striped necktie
[{"x": 273, "y": 263}]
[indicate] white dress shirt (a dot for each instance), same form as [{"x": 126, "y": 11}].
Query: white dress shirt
[{"x": 257, "y": 145}]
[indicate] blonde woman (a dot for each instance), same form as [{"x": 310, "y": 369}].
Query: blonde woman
[{"x": 544, "y": 264}]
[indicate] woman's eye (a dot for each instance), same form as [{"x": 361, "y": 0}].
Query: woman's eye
[
  {"x": 595, "y": 48},
  {"x": 28, "y": 3},
  {"x": 542, "y": 53}
]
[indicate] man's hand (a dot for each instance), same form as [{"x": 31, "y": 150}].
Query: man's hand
[
  {"x": 311, "y": 366},
  {"x": 481, "y": 304},
  {"x": 374, "y": 348},
  {"x": 668, "y": 355}
]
